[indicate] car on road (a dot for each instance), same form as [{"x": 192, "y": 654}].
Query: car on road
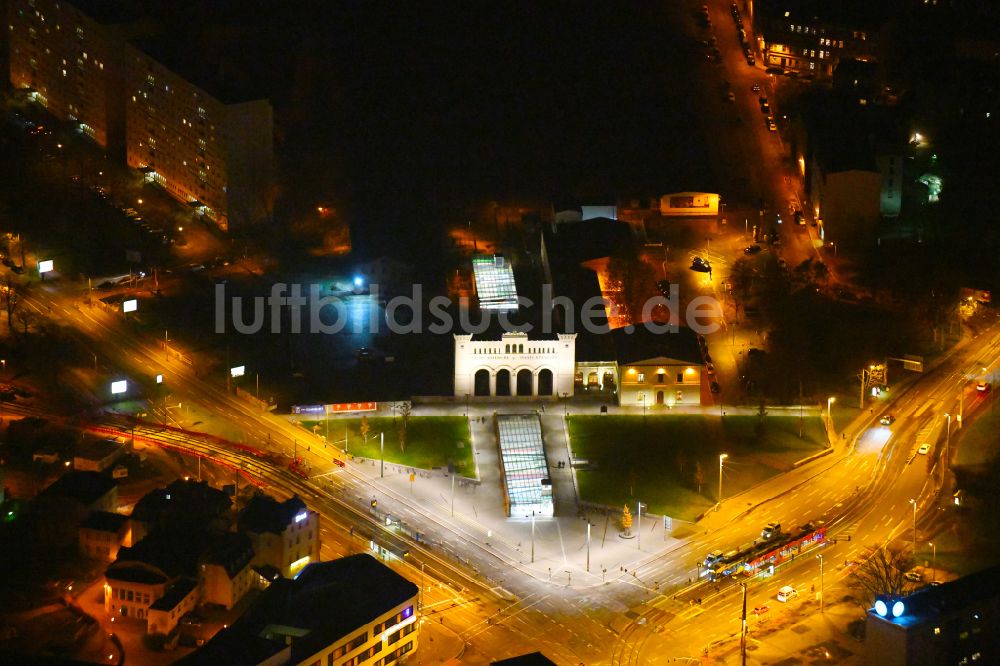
[
  {"x": 709, "y": 369},
  {"x": 913, "y": 576},
  {"x": 756, "y": 88},
  {"x": 769, "y": 121},
  {"x": 770, "y": 530},
  {"x": 751, "y": 249},
  {"x": 664, "y": 287},
  {"x": 762, "y": 100},
  {"x": 712, "y": 558},
  {"x": 751, "y": 60},
  {"x": 924, "y": 449},
  {"x": 714, "y": 387},
  {"x": 786, "y": 593},
  {"x": 760, "y": 610},
  {"x": 887, "y": 419},
  {"x": 731, "y": 96},
  {"x": 700, "y": 265},
  {"x": 983, "y": 387},
  {"x": 782, "y": 264}
]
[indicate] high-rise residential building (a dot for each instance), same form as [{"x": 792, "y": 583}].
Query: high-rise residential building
[
  {"x": 68, "y": 57},
  {"x": 197, "y": 132}
]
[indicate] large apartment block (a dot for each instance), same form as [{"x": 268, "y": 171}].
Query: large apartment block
[
  {"x": 68, "y": 57},
  {"x": 177, "y": 110},
  {"x": 209, "y": 144}
]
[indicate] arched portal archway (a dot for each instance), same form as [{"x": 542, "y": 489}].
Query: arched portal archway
[
  {"x": 482, "y": 382},
  {"x": 659, "y": 397},
  {"x": 525, "y": 380},
  {"x": 545, "y": 382},
  {"x": 503, "y": 383}
]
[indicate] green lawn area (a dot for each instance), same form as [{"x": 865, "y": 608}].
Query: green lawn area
[
  {"x": 655, "y": 459},
  {"x": 431, "y": 441}
]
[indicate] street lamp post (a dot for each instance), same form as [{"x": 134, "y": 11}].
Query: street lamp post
[
  {"x": 588, "y": 545},
  {"x": 532, "y": 538},
  {"x": 829, "y": 411},
  {"x": 381, "y": 450},
  {"x": 722, "y": 456},
  {"x": 914, "y": 503},
  {"x": 638, "y": 523},
  {"x": 820, "y": 556},
  {"x": 933, "y": 561}
]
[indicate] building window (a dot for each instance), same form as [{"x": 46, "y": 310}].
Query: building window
[
  {"x": 641, "y": 377},
  {"x": 660, "y": 377},
  {"x": 680, "y": 377}
]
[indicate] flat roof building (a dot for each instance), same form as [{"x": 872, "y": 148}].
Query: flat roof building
[
  {"x": 952, "y": 623},
  {"x": 354, "y": 610}
]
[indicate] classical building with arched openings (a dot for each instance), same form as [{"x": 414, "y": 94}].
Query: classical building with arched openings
[{"x": 515, "y": 366}]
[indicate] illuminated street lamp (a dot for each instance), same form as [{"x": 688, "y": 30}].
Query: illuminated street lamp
[
  {"x": 933, "y": 561},
  {"x": 914, "y": 503},
  {"x": 722, "y": 457},
  {"x": 820, "y": 556},
  {"x": 829, "y": 413}
]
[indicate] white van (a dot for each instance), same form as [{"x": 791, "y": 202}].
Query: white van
[{"x": 786, "y": 593}]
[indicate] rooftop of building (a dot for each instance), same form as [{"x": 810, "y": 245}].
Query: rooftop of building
[
  {"x": 176, "y": 594},
  {"x": 643, "y": 344},
  {"x": 104, "y": 521},
  {"x": 531, "y": 659},
  {"x": 263, "y": 513},
  {"x": 940, "y": 601},
  {"x": 576, "y": 242},
  {"x": 108, "y": 12},
  {"x": 219, "y": 68},
  {"x": 181, "y": 496},
  {"x": 135, "y": 573},
  {"x": 327, "y": 602},
  {"x": 848, "y": 13},
  {"x": 180, "y": 554},
  {"x": 233, "y": 551},
  {"x": 97, "y": 449},
  {"x": 84, "y": 487}
]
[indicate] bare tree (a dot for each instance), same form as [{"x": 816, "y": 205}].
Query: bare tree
[
  {"x": 699, "y": 476},
  {"x": 404, "y": 411},
  {"x": 364, "y": 429},
  {"x": 880, "y": 572},
  {"x": 27, "y": 318},
  {"x": 11, "y": 299}
]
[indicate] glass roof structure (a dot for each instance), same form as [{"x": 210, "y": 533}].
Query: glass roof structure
[
  {"x": 494, "y": 283},
  {"x": 525, "y": 470}
]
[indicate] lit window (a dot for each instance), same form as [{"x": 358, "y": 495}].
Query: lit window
[
  {"x": 937, "y": 631},
  {"x": 641, "y": 377}
]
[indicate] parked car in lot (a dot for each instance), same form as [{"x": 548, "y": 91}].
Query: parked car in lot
[{"x": 752, "y": 249}]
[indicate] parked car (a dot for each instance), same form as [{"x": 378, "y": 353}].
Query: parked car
[
  {"x": 752, "y": 249},
  {"x": 786, "y": 593}
]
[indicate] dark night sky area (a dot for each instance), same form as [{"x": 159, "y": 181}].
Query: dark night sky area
[{"x": 509, "y": 100}]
